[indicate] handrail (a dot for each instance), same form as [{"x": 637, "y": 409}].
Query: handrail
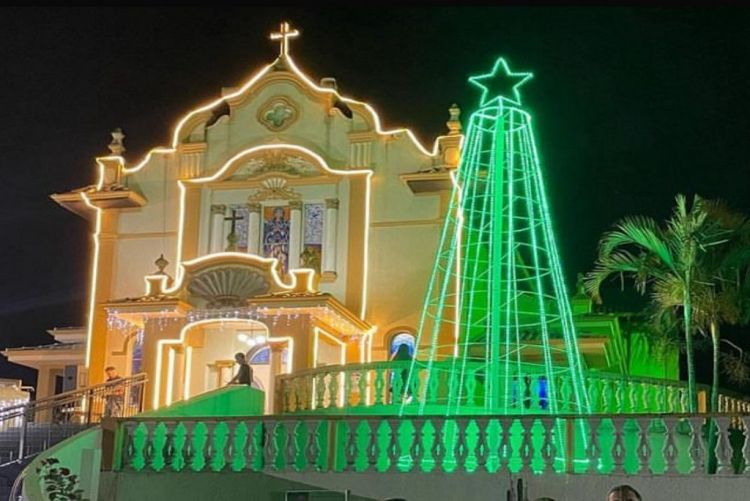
[
  {"x": 385, "y": 364},
  {"x": 60, "y": 416},
  {"x": 141, "y": 377},
  {"x": 424, "y": 417}
]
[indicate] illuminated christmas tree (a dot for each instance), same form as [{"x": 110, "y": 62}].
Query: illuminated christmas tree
[{"x": 496, "y": 333}]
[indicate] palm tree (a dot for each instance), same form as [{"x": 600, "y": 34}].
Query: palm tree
[
  {"x": 662, "y": 259},
  {"x": 723, "y": 285}
]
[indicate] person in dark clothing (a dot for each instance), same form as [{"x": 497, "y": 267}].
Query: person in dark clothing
[
  {"x": 245, "y": 374},
  {"x": 401, "y": 355}
]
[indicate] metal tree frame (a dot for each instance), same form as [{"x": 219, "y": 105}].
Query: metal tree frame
[{"x": 497, "y": 293}]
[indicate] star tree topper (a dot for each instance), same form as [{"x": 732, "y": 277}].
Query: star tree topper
[{"x": 500, "y": 83}]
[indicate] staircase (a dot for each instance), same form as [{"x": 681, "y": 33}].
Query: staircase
[{"x": 33, "y": 427}]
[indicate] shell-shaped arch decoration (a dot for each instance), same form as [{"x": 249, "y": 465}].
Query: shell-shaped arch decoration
[{"x": 227, "y": 286}]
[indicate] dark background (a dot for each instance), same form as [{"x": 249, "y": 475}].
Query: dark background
[{"x": 630, "y": 106}]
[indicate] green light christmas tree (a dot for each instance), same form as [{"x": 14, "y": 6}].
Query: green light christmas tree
[{"x": 497, "y": 311}]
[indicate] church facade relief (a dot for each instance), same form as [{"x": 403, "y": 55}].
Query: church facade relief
[{"x": 278, "y": 113}]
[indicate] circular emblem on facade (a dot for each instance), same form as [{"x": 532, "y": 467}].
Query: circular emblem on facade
[{"x": 278, "y": 113}]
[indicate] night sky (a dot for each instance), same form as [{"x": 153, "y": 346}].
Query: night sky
[{"x": 630, "y": 107}]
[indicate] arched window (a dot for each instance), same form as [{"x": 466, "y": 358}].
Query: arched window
[
  {"x": 261, "y": 356},
  {"x": 136, "y": 363},
  {"x": 399, "y": 338}
]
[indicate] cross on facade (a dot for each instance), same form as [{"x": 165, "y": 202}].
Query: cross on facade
[
  {"x": 232, "y": 237},
  {"x": 284, "y": 34}
]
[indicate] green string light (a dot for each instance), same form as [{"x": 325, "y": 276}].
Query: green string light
[{"x": 496, "y": 311}]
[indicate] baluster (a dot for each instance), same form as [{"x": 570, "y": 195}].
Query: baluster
[
  {"x": 380, "y": 398},
  {"x": 618, "y": 449},
  {"x": 608, "y": 397},
  {"x": 239, "y": 439},
  {"x": 482, "y": 450},
  {"x": 129, "y": 451},
  {"x": 470, "y": 386},
  {"x": 745, "y": 424},
  {"x": 312, "y": 448},
  {"x": 670, "y": 445},
  {"x": 210, "y": 454},
  {"x": 270, "y": 447},
  {"x": 334, "y": 388},
  {"x": 547, "y": 454},
  {"x": 593, "y": 390},
  {"x": 566, "y": 391},
  {"x": 684, "y": 398},
  {"x": 525, "y": 446},
  {"x": 504, "y": 445},
  {"x": 281, "y": 437},
  {"x": 416, "y": 449},
  {"x": 392, "y": 448},
  {"x": 255, "y": 448},
  {"x": 723, "y": 448},
  {"x": 593, "y": 449},
  {"x": 168, "y": 451},
  {"x": 370, "y": 452},
  {"x": 346, "y": 436},
  {"x": 535, "y": 390},
  {"x": 462, "y": 445},
  {"x": 296, "y": 435},
  {"x": 364, "y": 383},
  {"x": 644, "y": 451},
  {"x": 620, "y": 396},
  {"x": 698, "y": 446},
  {"x": 227, "y": 452},
  {"x": 605, "y": 444},
  {"x": 148, "y": 449},
  {"x": 438, "y": 448},
  {"x": 346, "y": 376},
  {"x": 189, "y": 445},
  {"x": 291, "y": 401},
  {"x": 433, "y": 384},
  {"x": 632, "y": 397}
]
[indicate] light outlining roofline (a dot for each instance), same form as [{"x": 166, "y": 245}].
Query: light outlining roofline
[
  {"x": 175, "y": 142},
  {"x": 181, "y": 339},
  {"x": 94, "y": 275},
  {"x": 247, "y": 86}
]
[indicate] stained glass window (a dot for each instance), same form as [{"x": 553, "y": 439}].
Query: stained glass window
[
  {"x": 312, "y": 242},
  {"x": 276, "y": 222}
]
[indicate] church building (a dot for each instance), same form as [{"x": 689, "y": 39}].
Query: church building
[{"x": 284, "y": 221}]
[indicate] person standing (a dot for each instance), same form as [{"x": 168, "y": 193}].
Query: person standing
[
  {"x": 245, "y": 373},
  {"x": 114, "y": 400}
]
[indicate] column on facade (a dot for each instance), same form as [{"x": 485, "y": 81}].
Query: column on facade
[
  {"x": 216, "y": 243},
  {"x": 253, "y": 228},
  {"x": 276, "y": 366},
  {"x": 295, "y": 233},
  {"x": 329, "y": 242}
]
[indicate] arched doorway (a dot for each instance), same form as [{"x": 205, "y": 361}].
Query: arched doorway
[{"x": 202, "y": 358}]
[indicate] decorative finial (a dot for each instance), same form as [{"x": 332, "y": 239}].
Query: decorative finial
[
  {"x": 284, "y": 34},
  {"x": 500, "y": 84},
  {"x": 161, "y": 263},
  {"x": 116, "y": 146},
  {"x": 454, "y": 122}
]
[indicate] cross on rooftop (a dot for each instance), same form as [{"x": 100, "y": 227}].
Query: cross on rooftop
[{"x": 284, "y": 34}]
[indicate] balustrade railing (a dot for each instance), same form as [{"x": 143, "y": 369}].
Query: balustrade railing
[
  {"x": 30, "y": 428},
  {"x": 596, "y": 445},
  {"x": 379, "y": 388}
]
